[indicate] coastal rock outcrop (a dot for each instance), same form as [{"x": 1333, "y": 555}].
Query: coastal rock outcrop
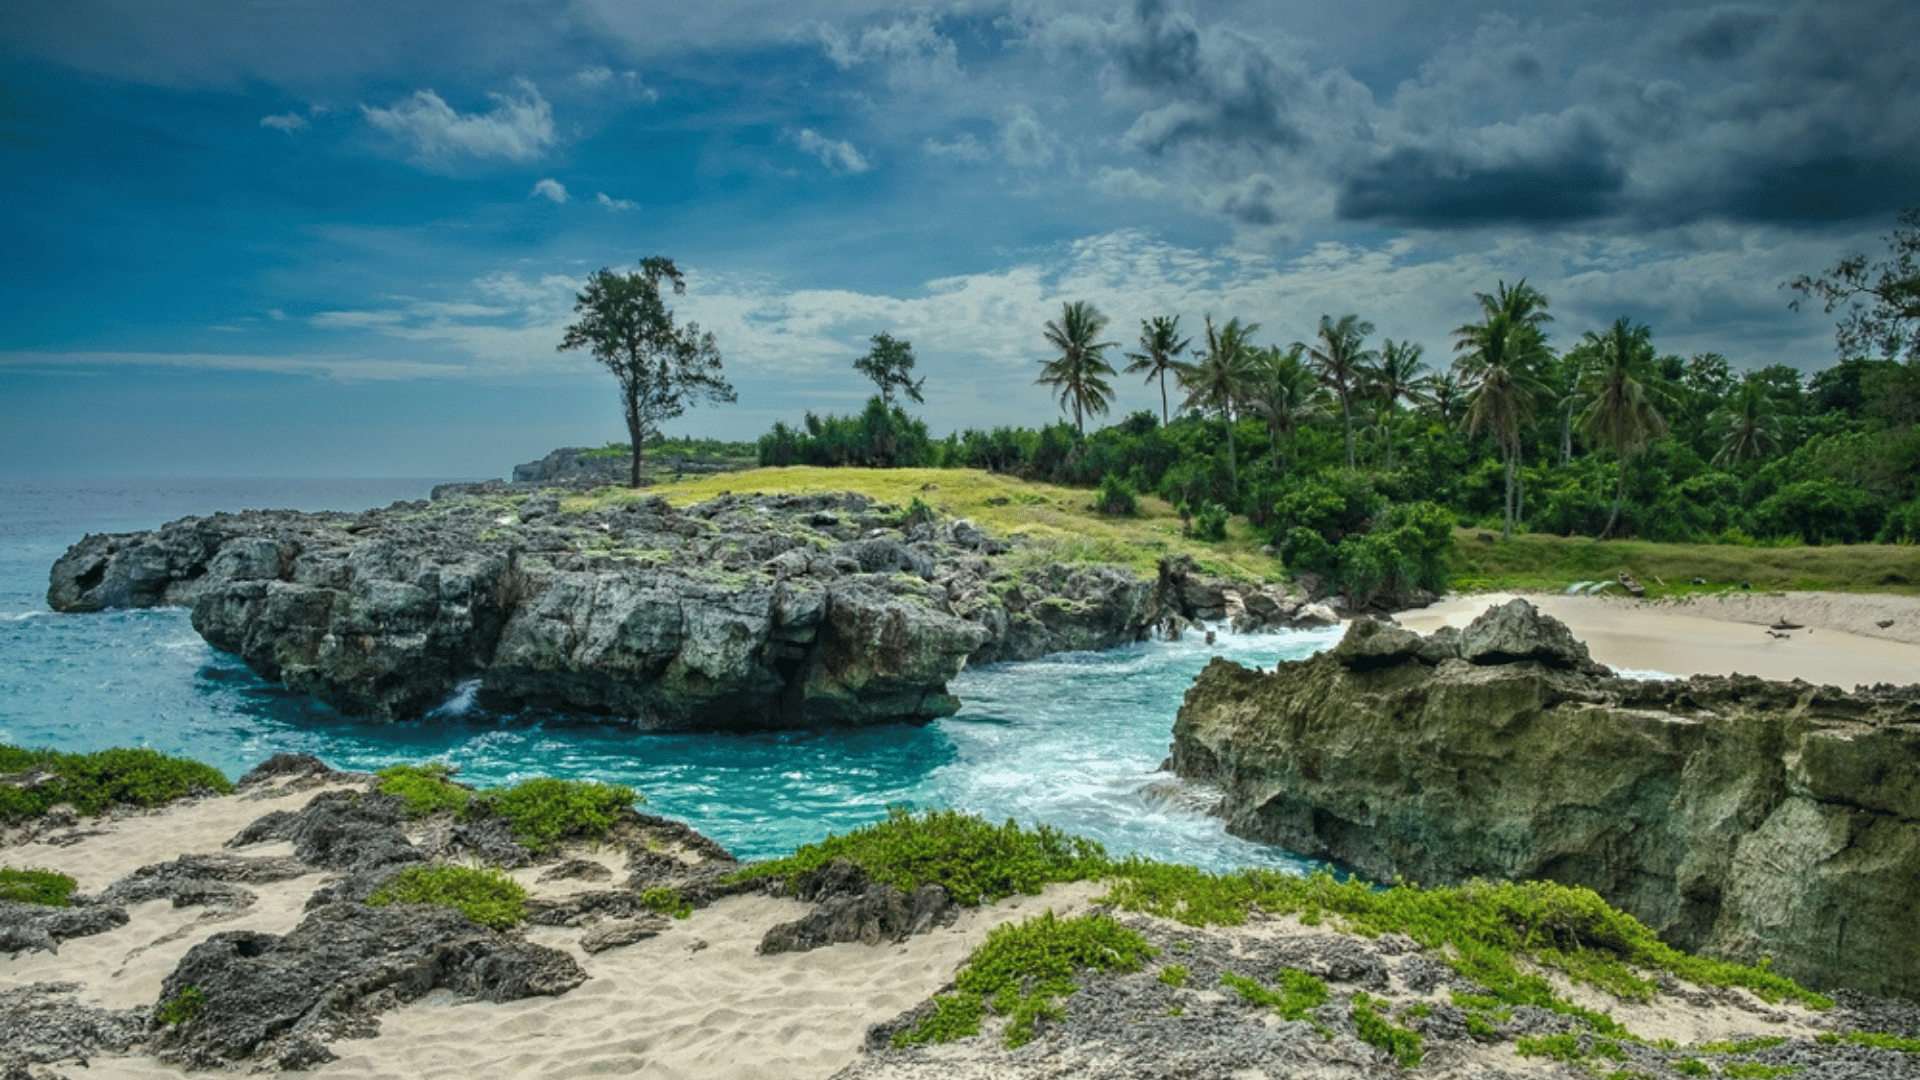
[
  {"x": 1739, "y": 818},
  {"x": 742, "y": 612}
]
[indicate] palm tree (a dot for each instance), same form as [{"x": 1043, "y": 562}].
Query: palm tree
[
  {"x": 1442, "y": 391},
  {"x": 1750, "y": 423},
  {"x": 1395, "y": 378},
  {"x": 1221, "y": 377},
  {"x": 1621, "y": 413},
  {"x": 1162, "y": 344},
  {"x": 1285, "y": 392},
  {"x": 1080, "y": 374},
  {"x": 1340, "y": 356},
  {"x": 1501, "y": 356}
]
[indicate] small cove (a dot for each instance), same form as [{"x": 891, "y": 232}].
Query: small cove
[{"x": 1072, "y": 740}]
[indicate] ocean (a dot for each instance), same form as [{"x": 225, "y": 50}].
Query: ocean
[{"x": 1073, "y": 740}]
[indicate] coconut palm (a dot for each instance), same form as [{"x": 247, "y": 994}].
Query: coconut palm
[
  {"x": 1220, "y": 377},
  {"x": 1501, "y": 357},
  {"x": 1622, "y": 412},
  {"x": 1080, "y": 374},
  {"x": 1749, "y": 422},
  {"x": 1442, "y": 392},
  {"x": 1393, "y": 379},
  {"x": 1161, "y": 346},
  {"x": 1284, "y": 392},
  {"x": 1340, "y": 356}
]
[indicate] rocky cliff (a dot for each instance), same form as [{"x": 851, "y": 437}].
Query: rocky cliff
[
  {"x": 1737, "y": 817},
  {"x": 743, "y": 612}
]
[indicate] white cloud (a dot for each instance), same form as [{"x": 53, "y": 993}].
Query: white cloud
[
  {"x": 291, "y": 121},
  {"x": 519, "y": 128},
  {"x": 964, "y": 148},
  {"x": 594, "y": 76},
  {"x": 551, "y": 189},
  {"x": 616, "y": 204},
  {"x": 912, "y": 54},
  {"x": 1025, "y": 142},
  {"x": 836, "y": 154}
]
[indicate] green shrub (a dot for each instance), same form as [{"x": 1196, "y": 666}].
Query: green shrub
[
  {"x": 1562, "y": 1047},
  {"x": 48, "y": 887},
  {"x": 546, "y": 809},
  {"x": 96, "y": 782},
  {"x": 183, "y": 1006},
  {"x": 426, "y": 789},
  {"x": 1299, "y": 994},
  {"x": 1692, "y": 1067},
  {"x": 977, "y": 863},
  {"x": 1020, "y": 971},
  {"x": 485, "y": 895},
  {"x": 666, "y": 901},
  {"x": 1117, "y": 498},
  {"x": 1210, "y": 522},
  {"x": 1377, "y": 1030},
  {"x": 1173, "y": 975}
]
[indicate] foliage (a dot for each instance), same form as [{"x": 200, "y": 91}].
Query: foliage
[
  {"x": 662, "y": 368},
  {"x": 547, "y": 809},
  {"x": 98, "y": 781},
  {"x": 666, "y": 901},
  {"x": 1160, "y": 348},
  {"x": 1299, "y": 993},
  {"x": 890, "y": 365},
  {"x": 882, "y": 437},
  {"x": 974, "y": 861},
  {"x": 485, "y": 895},
  {"x": 182, "y": 1006},
  {"x": 1880, "y": 301},
  {"x": 48, "y": 887},
  {"x": 1117, "y": 498},
  {"x": 1079, "y": 375},
  {"x": 1174, "y": 975},
  {"x": 1221, "y": 378},
  {"x": 1378, "y": 1031},
  {"x": 425, "y": 789},
  {"x": 1340, "y": 356},
  {"x": 1022, "y": 969},
  {"x": 1210, "y": 522}
]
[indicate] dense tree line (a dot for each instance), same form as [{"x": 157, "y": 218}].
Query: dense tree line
[{"x": 1356, "y": 456}]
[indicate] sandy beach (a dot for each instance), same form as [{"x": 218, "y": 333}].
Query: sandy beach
[{"x": 1840, "y": 641}]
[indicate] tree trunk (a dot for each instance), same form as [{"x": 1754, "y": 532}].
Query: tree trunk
[
  {"x": 1619, "y": 496},
  {"x": 1346, "y": 415},
  {"x": 1506, "y": 532},
  {"x": 1163, "y": 397},
  {"x": 1233, "y": 463},
  {"x": 637, "y": 435}
]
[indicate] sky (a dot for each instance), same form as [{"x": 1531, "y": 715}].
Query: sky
[{"x": 344, "y": 237}]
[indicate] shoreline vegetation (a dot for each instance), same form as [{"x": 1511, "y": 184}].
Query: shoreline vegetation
[{"x": 1459, "y": 978}]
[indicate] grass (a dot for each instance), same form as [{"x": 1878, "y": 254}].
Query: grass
[
  {"x": 485, "y": 895},
  {"x": 46, "y": 887},
  {"x": 182, "y": 1007},
  {"x": 1299, "y": 993},
  {"x": 975, "y": 861},
  {"x": 1058, "y": 523},
  {"x": 1534, "y": 561},
  {"x": 1021, "y": 971},
  {"x": 96, "y": 782},
  {"x": 540, "y": 812}
]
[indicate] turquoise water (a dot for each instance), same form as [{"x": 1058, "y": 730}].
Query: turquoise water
[{"x": 1073, "y": 740}]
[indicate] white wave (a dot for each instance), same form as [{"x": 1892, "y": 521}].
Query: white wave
[{"x": 460, "y": 703}]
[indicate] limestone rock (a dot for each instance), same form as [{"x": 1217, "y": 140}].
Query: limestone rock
[{"x": 1737, "y": 817}]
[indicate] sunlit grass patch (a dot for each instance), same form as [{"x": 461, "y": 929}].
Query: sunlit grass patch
[{"x": 1539, "y": 562}]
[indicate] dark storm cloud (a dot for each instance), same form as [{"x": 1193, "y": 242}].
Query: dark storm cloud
[
  {"x": 1439, "y": 188},
  {"x": 1221, "y": 86},
  {"x": 1726, "y": 34}
]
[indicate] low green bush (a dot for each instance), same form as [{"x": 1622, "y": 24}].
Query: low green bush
[
  {"x": 426, "y": 789},
  {"x": 1022, "y": 969},
  {"x": 1377, "y": 1030},
  {"x": 1299, "y": 993},
  {"x": 666, "y": 901},
  {"x": 1117, "y": 498},
  {"x": 48, "y": 887},
  {"x": 485, "y": 895},
  {"x": 977, "y": 863},
  {"x": 96, "y": 782},
  {"x": 544, "y": 810},
  {"x": 182, "y": 1007}
]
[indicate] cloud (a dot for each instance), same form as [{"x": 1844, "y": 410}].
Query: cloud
[
  {"x": 551, "y": 189},
  {"x": 519, "y": 127},
  {"x": 598, "y": 75},
  {"x": 836, "y": 154},
  {"x": 963, "y": 148},
  {"x": 912, "y": 53},
  {"x": 1554, "y": 179},
  {"x": 291, "y": 121},
  {"x": 616, "y": 204},
  {"x": 1218, "y": 85},
  {"x": 1025, "y": 142}
]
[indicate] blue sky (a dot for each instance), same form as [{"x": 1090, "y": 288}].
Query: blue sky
[{"x": 341, "y": 238}]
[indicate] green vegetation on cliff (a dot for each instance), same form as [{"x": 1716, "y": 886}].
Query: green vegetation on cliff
[
  {"x": 539, "y": 811},
  {"x": 46, "y": 887},
  {"x": 95, "y": 783},
  {"x": 485, "y": 895}
]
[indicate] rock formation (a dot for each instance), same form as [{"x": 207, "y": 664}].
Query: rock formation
[
  {"x": 743, "y": 612},
  {"x": 1737, "y": 817}
]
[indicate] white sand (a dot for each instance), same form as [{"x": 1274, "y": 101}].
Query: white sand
[
  {"x": 1840, "y": 642},
  {"x": 696, "y": 1001}
]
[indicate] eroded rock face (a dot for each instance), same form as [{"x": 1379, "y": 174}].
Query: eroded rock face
[
  {"x": 744, "y": 612},
  {"x": 1737, "y": 817}
]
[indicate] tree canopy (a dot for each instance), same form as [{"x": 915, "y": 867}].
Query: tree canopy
[
  {"x": 890, "y": 365},
  {"x": 662, "y": 368},
  {"x": 1880, "y": 300},
  {"x": 1080, "y": 373}
]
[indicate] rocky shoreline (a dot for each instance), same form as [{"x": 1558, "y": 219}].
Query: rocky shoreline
[
  {"x": 1738, "y": 818},
  {"x": 741, "y": 612}
]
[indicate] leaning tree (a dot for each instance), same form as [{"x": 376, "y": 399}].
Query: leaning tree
[{"x": 662, "y": 368}]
